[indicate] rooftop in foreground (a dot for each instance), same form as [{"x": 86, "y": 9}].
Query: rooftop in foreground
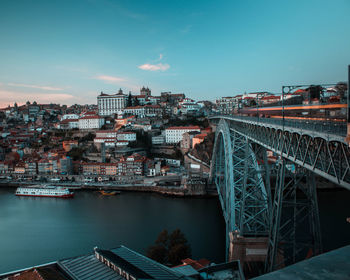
[
  {"x": 119, "y": 263},
  {"x": 331, "y": 265}
]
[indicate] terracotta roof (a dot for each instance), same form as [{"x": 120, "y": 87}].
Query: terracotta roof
[
  {"x": 106, "y": 131},
  {"x": 201, "y": 136},
  {"x": 69, "y": 120},
  {"x": 197, "y": 265},
  {"x": 300, "y": 91},
  {"x": 182, "y": 127},
  {"x": 152, "y": 106},
  {"x": 134, "y": 107},
  {"x": 270, "y": 97},
  {"x": 90, "y": 117}
]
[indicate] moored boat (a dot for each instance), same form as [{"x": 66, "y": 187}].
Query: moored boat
[
  {"x": 47, "y": 191},
  {"x": 109, "y": 192}
]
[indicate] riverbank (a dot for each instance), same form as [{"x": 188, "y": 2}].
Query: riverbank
[{"x": 176, "y": 191}]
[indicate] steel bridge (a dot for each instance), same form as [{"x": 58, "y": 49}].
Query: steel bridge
[{"x": 288, "y": 218}]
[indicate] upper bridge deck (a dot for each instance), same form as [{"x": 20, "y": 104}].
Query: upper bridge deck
[
  {"x": 319, "y": 146},
  {"x": 329, "y": 130}
]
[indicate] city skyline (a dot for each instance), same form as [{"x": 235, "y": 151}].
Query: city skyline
[{"x": 69, "y": 52}]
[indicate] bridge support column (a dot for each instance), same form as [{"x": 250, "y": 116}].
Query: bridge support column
[
  {"x": 295, "y": 227},
  {"x": 251, "y": 252}
]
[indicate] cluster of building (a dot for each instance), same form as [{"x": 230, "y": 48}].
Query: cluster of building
[
  {"x": 310, "y": 95},
  {"x": 58, "y": 163},
  {"x": 146, "y": 105},
  {"x": 38, "y": 139}
]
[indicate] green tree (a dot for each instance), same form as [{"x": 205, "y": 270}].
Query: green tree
[
  {"x": 170, "y": 249},
  {"x": 89, "y": 137},
  {"x": 76, "y": 153},
  {"x": 179, "y": 248},
  {"x": 157, "y": 253},
  {"x": 159, "y": 250},
  {"x": 129, "y": 102}
]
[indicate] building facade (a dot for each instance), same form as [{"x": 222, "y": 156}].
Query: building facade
[
  {"x": 91, "y": 122},
  {"x": 174, "y": 134},
  {"x": 110, "y": 104}
]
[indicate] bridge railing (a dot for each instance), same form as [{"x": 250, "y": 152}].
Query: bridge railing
[{"x": 328, "y": 127}]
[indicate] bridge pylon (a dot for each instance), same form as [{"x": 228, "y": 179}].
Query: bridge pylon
[{"x": 295, "y": 226}]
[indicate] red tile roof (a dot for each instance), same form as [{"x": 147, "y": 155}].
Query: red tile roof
[
  {"x": 182, "y": 127},
  {"x": 90, "y": 117}
]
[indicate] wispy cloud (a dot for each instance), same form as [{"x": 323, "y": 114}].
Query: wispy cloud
[
  {"x": 9, "y": 97},
  {"x": 119, "y": 81},
  {"x": 34, "y": 86},
  {"x": 110, "y": 79},
  {"x": 154, "y": 67}
]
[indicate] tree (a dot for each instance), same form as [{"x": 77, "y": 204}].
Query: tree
[
  {"x": 137, "y": 102},
  {"x": 179, "y": 249},
  {"x": 157, "y": 253},
  {"x": 129, "y": 102},
  {"x": 89, "y": 137},
  {"x": 76, "y": 153},
  {"x": 170, "y": 249}
]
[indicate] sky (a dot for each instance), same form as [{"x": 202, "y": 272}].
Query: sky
[{"x": 67, "y": 52}]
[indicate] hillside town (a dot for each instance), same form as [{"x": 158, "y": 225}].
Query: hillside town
[
  {"x": 127, "y": 138},
  {"x": 123, "y": 139}
]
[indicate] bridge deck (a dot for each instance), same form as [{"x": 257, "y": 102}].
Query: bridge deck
[{"x": 332, "y": 131}]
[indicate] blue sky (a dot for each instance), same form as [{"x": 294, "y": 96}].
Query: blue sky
[{"x": 69, "y": 51}]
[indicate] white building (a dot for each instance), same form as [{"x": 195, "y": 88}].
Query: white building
[
  {"x": 188, "y": 108},
  {"x": 174, "y": 134},
  {"x": 69, "y": 117},
  {"x": 121, "y": 143},
  {"x": 158, "y": 140},
  {"x": 126, "y": 136},
  {"x": 91, "y": 122},
  {"x": 69, "y": 124},
  {"x": 138, "y": 111},
  {"x": 106, "y": 134},
  {"x": 154, "y": 100},
  {"x": 109, "y": 104}
]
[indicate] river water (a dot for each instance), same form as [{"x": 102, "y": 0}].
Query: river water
[{"x": 39, "y": 230}]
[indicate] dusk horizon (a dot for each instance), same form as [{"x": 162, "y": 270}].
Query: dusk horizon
[{"x": 68, "y": 52}]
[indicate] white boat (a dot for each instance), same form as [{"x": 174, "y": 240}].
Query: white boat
[{"x": 47, "y": 191}]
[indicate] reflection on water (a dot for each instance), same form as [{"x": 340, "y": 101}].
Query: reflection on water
[{"x": 36, "y": 230}]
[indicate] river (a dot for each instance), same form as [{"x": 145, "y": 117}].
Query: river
[{"x": 39, "y": 230}]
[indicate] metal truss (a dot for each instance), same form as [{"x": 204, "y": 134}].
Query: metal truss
[
  {"x": 321, "y": 154},
  {"x": 295, "y": 227},
  {"x": 237, "y": 176}
]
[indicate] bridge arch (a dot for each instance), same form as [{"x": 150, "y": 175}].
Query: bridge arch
[{"x": 239, "y": 181}]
